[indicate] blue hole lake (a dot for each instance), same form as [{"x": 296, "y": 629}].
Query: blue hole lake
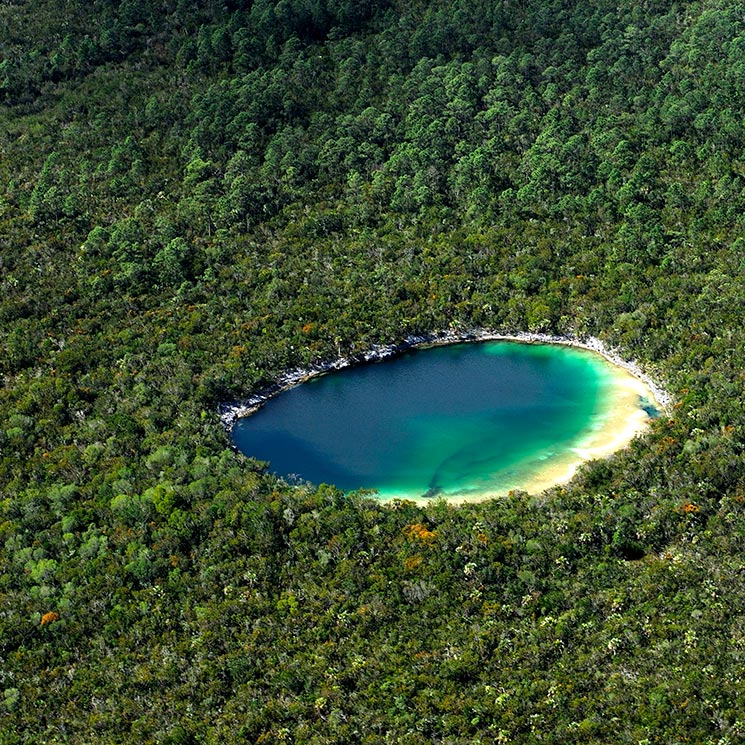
[{"x": 462, "y": 421}]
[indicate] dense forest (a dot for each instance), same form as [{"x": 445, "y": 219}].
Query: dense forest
[{"x": 196, "y": 197}]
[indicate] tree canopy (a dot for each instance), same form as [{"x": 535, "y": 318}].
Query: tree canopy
[{"x": 196, "y": 197}]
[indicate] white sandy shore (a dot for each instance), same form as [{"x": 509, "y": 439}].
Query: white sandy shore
[{"x": 612, "y": 429}]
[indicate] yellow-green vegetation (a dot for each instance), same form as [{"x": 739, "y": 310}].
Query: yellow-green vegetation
[{"x": 195, "y": 197}]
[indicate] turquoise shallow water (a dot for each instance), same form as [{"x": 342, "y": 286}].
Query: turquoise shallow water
[{"x": 444, "y": 421}]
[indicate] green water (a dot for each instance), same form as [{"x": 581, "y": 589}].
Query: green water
[{"x": 448, "y": 421}]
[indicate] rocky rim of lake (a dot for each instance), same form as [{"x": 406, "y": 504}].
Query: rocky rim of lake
[{"x": 231, "y": 411}]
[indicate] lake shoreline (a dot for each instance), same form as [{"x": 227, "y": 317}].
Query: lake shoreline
[
  {"x": 624, "y": 418},
  {"x": 230, "y": 412}
]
